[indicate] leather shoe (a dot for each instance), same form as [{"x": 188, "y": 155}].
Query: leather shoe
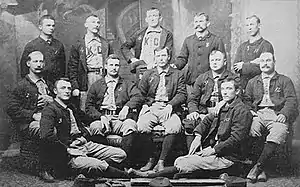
[
  {"x": 136, "y": 173},
  {"x": 262, "y": 177},
  {"x": 46, "y": 177},
  {"x": 254, "y": 172},
  {"x": 149, "y": 165},
  {"x": 159, "y": 166}
]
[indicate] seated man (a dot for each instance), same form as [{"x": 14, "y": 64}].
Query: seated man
[
  {"x": 66, "y": 140},
  {"x": 274, "y": 105},
  {"x": 111, "y": 102},
  {"x": 165, "y": 92},
  {"x": 206, "y": 95},
  {"x": 218, "y": 139},
  {"x": 28, "y": 98}
]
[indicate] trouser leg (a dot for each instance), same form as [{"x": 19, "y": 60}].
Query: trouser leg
[
  {"x": 127, "y": 146},
  {"x": 167, "y": 145}
]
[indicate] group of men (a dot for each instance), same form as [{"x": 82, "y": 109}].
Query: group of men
[{"x": 225, "y": 108}]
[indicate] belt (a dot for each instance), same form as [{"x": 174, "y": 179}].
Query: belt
[
  {"x": 95, "y": 70},
  {"x": 262, "y": 107},
  {"x": 109, "y": 112}
]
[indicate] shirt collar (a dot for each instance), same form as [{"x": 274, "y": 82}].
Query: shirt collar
[
  {"x": 46, "y": 39},
  {"x": 61, "y": 103},
  {"x": 263, "y": 75},
  {"x": 160, "y": 70},
  {"x": 158, "y": 30},
  {"x": 214, "y": 74},
  {"x": 88, "y": 38},
  {"x": 202, "y": 37},
  {"x": 35, "y": 80},
  {"x": 111, "y": 79}
]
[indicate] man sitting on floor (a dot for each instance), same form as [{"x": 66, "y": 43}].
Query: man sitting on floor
[
  {"x": 218, "y": 139},
  {"x": 274, "y": 104},
  {"x": 66, "y": 141},
  {"x": 111, "y": 102},
  {"x": 165, "y": 92},
  {"x": 28, "y": 99}
]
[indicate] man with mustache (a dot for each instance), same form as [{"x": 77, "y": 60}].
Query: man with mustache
[
  {"x": 246, "y": 61},
  {"x": 111, "y": 102},
  {"x": 52, "y": 49},
  {"x": 195, "y": 50},
  {"x": 28, "y": 99},
  {"x": 206, "y": 95},
  {"x": 146, "y": 40},
  {"x": 274, "y": 106},
  {"x": 67, "y": 141},
  {"x": 87, "y": 56}
]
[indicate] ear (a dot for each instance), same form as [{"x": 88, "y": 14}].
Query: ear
[
  {"x": 160, "y": 19},
  {"x": 237, "y": 92},
  {"x": 40, "y": 27},
  {"x": 85, "y": 25},
  {"x": 28, "y": 63},
  {"x": 208, "y": 24},
  {"x": 55, "y": 91}
]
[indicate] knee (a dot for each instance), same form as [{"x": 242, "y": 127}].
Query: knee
[
  {"x": 173, "y": 125},
  {"x": 143, "y": 125},
  {"x": 129, "y": 126},
  {"x": 189, "y": 126},
  {"x": 278, "y": 133},
  {"x": 255, "y": 130},
  {"x": 96, "y": 127}
]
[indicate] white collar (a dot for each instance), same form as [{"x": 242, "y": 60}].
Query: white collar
[
  {"x": 61, "y": 103},
  {"x": 35, "y": 80}
]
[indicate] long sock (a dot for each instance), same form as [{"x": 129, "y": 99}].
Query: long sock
[
  {"x": 166, "y": 146},
  {"x": 112, "y": 172},
  {"x": 167, "y": 172},
  {"x": 189, "y": 140},
  {"x": 127, "y": 145},
  {"x": 99, "y": 139},
  {"x": 114, "y": 164},
  {"x": 267, "y": 152}
]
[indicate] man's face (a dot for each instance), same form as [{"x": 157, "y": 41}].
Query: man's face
[
  {"x": 47, "y": 27},
  {"x": 267, "y": 64},
  {"x": 162, "y": 58},
  {"x": 252, "y": 27},
  {"x": 92, "y": 24},
  {"x": 112, "y": 67},
  {"x": 36, "y": 64},
  {"x": 153, "y": 18},
  {"x": 63, "y": 90},
  {"x": 216, "y": 61},
  {"x": 228, "y": 91},
  {"x": 200, "y": 23}
]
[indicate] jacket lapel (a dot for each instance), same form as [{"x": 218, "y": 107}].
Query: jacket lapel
[
  {"x": 82, "y": 53},
  {"x": 163, "y": 38}
]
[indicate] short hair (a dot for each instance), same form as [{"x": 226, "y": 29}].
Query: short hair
[
  {"x": 45, "y": 17},
  {"x": 235, "y": 80},
  {"x": 91, "y": 15},
  {"x": 254, "y": 16},
  {"x": 112, "y": 56},
  {"x": 215, "y": 51},
  {"x": 154, "y": 8},
  {"x": 202, "y": 14},
  {"x": 29, "y": 55},
  {"x": 162, "y": 48},
  {"x": 61, "y": 79}
]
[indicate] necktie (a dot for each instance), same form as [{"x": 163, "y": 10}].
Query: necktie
[
  {"x": 42, "y": 88},
  {"x": 215, "y": 94},
  {"x": 48, "y": 41},
  {"x": 74, "y": 127}
]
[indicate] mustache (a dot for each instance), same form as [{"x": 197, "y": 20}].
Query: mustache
[
  {"x": 198, "y": 26},
  {"x": 266, "y": 66}
]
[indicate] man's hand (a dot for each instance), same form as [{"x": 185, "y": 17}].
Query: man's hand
[
  {"x": 195, "y": 144},
  {"x": 173, "y": 66},
  {"x": 238, "y": 66},
  {"x": 75, "y": 92},
  {"x": 256, "y": 61},
  {"x": 193, "y": 116},
  {"x": 144, "y": 109},
  {"x": 123, "y": 113},
  {"x": 134, "y": 60},
  {"x": 37, "y": 116},
  {"x": 167, "y": 112},
  {"x": 253, "y": 113},
  {"x": 281, "y": 118},
  {"x": 44, "y": 100},
  {"x": 106, "y": 125},
  {"x": 207, "y": 151},
  {"x": 215, "y": 111}
]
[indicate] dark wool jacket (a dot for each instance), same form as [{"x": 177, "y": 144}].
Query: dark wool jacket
[
  {"x": 194, "y": 55},
  {"x": 247, "y": 52},
  {"x": 77, "y": 66},
  {"x": 54, "y": 57},
  {"x": 56, "y": 117},
  {"x": 175, "y": 86},
  {"x": 135, "y": 42},
  {"x": 22, "y": 103},
  {"x": 282, "y": 94},
  {"x": 203, "y": 89},
  {"x": 232, "y": 128},
  {"x": 126, "y": 94}
]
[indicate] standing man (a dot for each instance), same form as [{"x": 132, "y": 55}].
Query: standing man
[
  {"x": 274, "y": 104},
  {"x": 66, "y": 141},
  {"x": 206, "y": 95},
  {"x": 246, "y": 61},
  {"x": 28, "y": 99},
  {"x": 146, "y": 40},
  {"x": 164, "y": 90},
  {"x": 51, "y": 48},
  {"x": 87, "y": 56},
  {"x": 111, "y": 102},
  {"x": 195, "y": 50},
  {"x": 219, "y": 139}
]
